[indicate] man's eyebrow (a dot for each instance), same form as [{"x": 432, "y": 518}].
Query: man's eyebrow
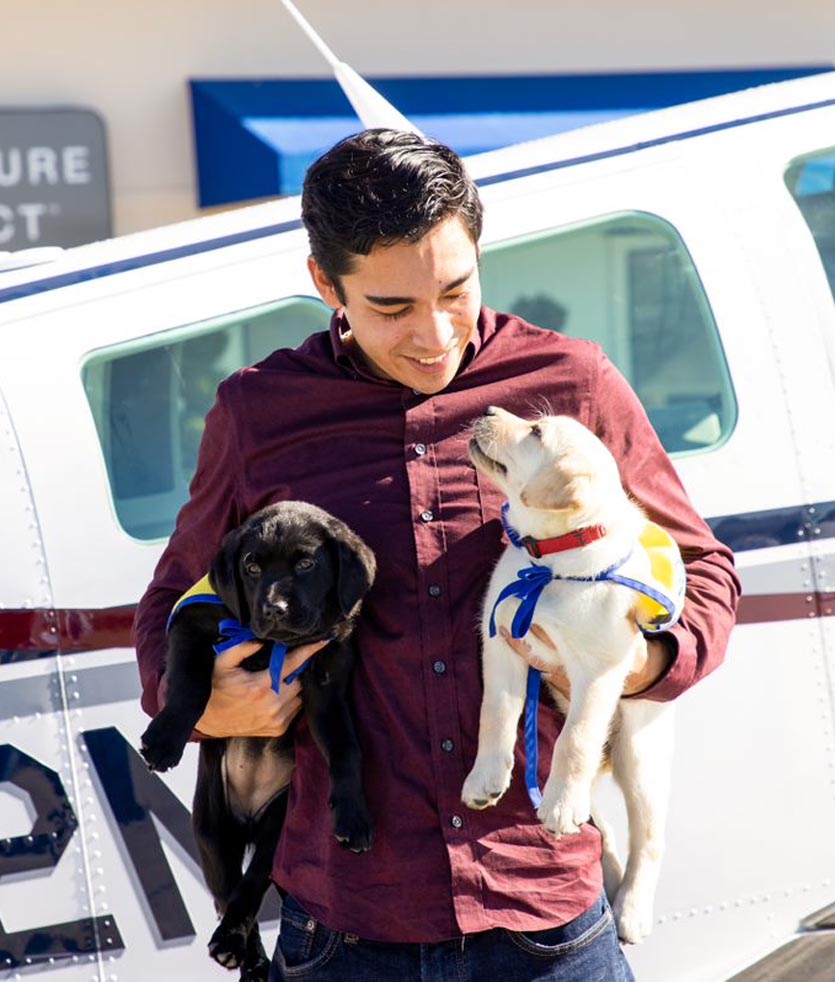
[{"x": 401, "y": 301}]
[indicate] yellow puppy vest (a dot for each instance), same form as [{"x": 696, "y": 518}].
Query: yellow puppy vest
[
  {"x": 661, "y": 593},
  {"x": 201, "y": 593}
]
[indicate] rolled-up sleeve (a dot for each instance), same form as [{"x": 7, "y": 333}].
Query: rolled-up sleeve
[
  {"x": 700, "y": 638},
  {"x": 212, "y": 509}
]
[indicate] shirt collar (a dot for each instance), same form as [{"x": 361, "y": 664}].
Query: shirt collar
[{"x": 347, "y": 354}]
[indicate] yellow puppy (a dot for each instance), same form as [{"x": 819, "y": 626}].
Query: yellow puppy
[{"x": 595, "y": 575}]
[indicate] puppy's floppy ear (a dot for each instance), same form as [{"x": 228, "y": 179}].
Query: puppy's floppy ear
[
  {"x": 226, "y": 579},
  {"x": 355, "y": 571},
  {"x": 548, "y": 491}
]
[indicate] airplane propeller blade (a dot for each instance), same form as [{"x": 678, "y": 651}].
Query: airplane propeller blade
[{"x": 372, "y": 109}]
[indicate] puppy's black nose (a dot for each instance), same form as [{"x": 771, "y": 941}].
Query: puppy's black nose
[{"x": 275, "y": 611}]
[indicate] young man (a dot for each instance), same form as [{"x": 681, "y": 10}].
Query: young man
[{"x": 370, "y": 422}]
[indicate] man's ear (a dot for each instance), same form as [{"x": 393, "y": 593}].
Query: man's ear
[
  {"x": 324, "y": 284},
  {"x": 355, "y": 570},
  {"x": 225, "y": 577}
]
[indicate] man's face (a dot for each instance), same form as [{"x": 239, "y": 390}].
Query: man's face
[{"x": 413, "y": 306}]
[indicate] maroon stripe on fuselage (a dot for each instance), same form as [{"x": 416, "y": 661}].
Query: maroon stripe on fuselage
[
  {"x": 769, "y": 607},
  {"x": 72, "y": 629},
  {"x": 75, "y": 629}
]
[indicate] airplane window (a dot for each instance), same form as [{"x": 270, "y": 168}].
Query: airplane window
[
  {"x": 149, "y": 400},
  {"x": 811, "y": 182},
  {"x": 627, "y": 282}
]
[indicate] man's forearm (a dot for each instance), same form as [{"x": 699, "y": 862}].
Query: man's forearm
[{"x": 149, "y": 641}]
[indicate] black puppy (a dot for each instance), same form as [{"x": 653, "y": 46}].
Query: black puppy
[{"x": 293, "y": 574}]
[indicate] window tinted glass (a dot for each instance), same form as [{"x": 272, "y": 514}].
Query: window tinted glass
[
  {"x": 628, "y": 283},
  {"x": 811, "y": 181},
  {"x": 149, "y": 400}
]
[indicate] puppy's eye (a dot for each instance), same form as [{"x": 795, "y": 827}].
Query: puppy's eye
[
  {"x": 536, "y": 431},
  {"x": 305, "y": 565},
  {"x": 251, "y": 565}
]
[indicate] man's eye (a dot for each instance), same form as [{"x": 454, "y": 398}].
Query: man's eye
[
  {"x": 394, "y": 316},
  {"x": 251, "y": 566},
  {"x": 305, "y": 565}
]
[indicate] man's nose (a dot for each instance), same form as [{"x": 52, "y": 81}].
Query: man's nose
[{"x": 435, "y": 331}]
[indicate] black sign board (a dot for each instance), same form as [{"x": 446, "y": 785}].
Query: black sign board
[{"x": 54, "y": 188}]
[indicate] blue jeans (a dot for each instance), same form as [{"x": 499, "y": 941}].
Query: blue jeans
[{"x": 584, "y": 950}]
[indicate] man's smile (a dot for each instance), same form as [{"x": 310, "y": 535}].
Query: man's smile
[{"x": 430, "y": 361}]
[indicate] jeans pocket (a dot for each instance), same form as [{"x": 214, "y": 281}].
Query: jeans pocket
[
  {"x": 303, "y": 943},
  {"x": 567, "y": 939}
]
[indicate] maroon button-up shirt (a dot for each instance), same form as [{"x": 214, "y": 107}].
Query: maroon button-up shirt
[{"x": 313, "y": 424}]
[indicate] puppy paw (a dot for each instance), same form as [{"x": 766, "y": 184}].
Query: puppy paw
[
  {"x": 487, "y": 781},
  {"x": 256, "y": 973},
  {"x": 257, "y": 965},
  {"x": 228, "y": 945},
  {"x": 162, "y": 745},
  {"x": 565, "y": 813},
  {"x": 633, "y": 916},
  {"x": 352, "y": 824}
]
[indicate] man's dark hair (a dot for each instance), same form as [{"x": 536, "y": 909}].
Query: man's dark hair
[{"x": 381, "y": 187}]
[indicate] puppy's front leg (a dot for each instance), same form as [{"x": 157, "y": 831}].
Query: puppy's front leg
[
  {"x": 326, "y": 705},
  {"x": 505, "y": 675},
  {"x": 189, "y": 668},
  {"x": 566, "y": 799}
]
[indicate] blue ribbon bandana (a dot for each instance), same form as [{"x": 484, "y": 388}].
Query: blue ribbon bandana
[
  {"x": 232, "y": 632},
  {"x": 528, "y": 588}
]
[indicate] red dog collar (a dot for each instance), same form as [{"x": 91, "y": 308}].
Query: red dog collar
[{"x": 562, "y": 543}]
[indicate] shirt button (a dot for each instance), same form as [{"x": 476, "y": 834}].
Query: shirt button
[
  {"x": 426, "y": 516},
  {"x": 420, "y": 449},
  {"x": 434, "y": 590},
  {"x": 439, "y": 667},
  {"x": 457, "y": 821},
  {"x": 447, "y": 746}
]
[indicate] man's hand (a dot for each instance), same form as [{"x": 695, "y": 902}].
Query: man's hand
[
  {"x": 655, "y": 666},
  {"x": 243, "y": 703},
  {"x": 644, "y": 674}
]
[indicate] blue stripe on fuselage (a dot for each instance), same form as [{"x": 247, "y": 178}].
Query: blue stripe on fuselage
[
  {"x": 776, "y": 527},
  {"x": 657, "y": 142},
  {"x": 138, "y": 262}
]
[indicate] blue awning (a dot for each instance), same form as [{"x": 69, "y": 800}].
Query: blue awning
[
  {"x": 298, "y": 140},
  {"x": 255, "y": 139}
]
